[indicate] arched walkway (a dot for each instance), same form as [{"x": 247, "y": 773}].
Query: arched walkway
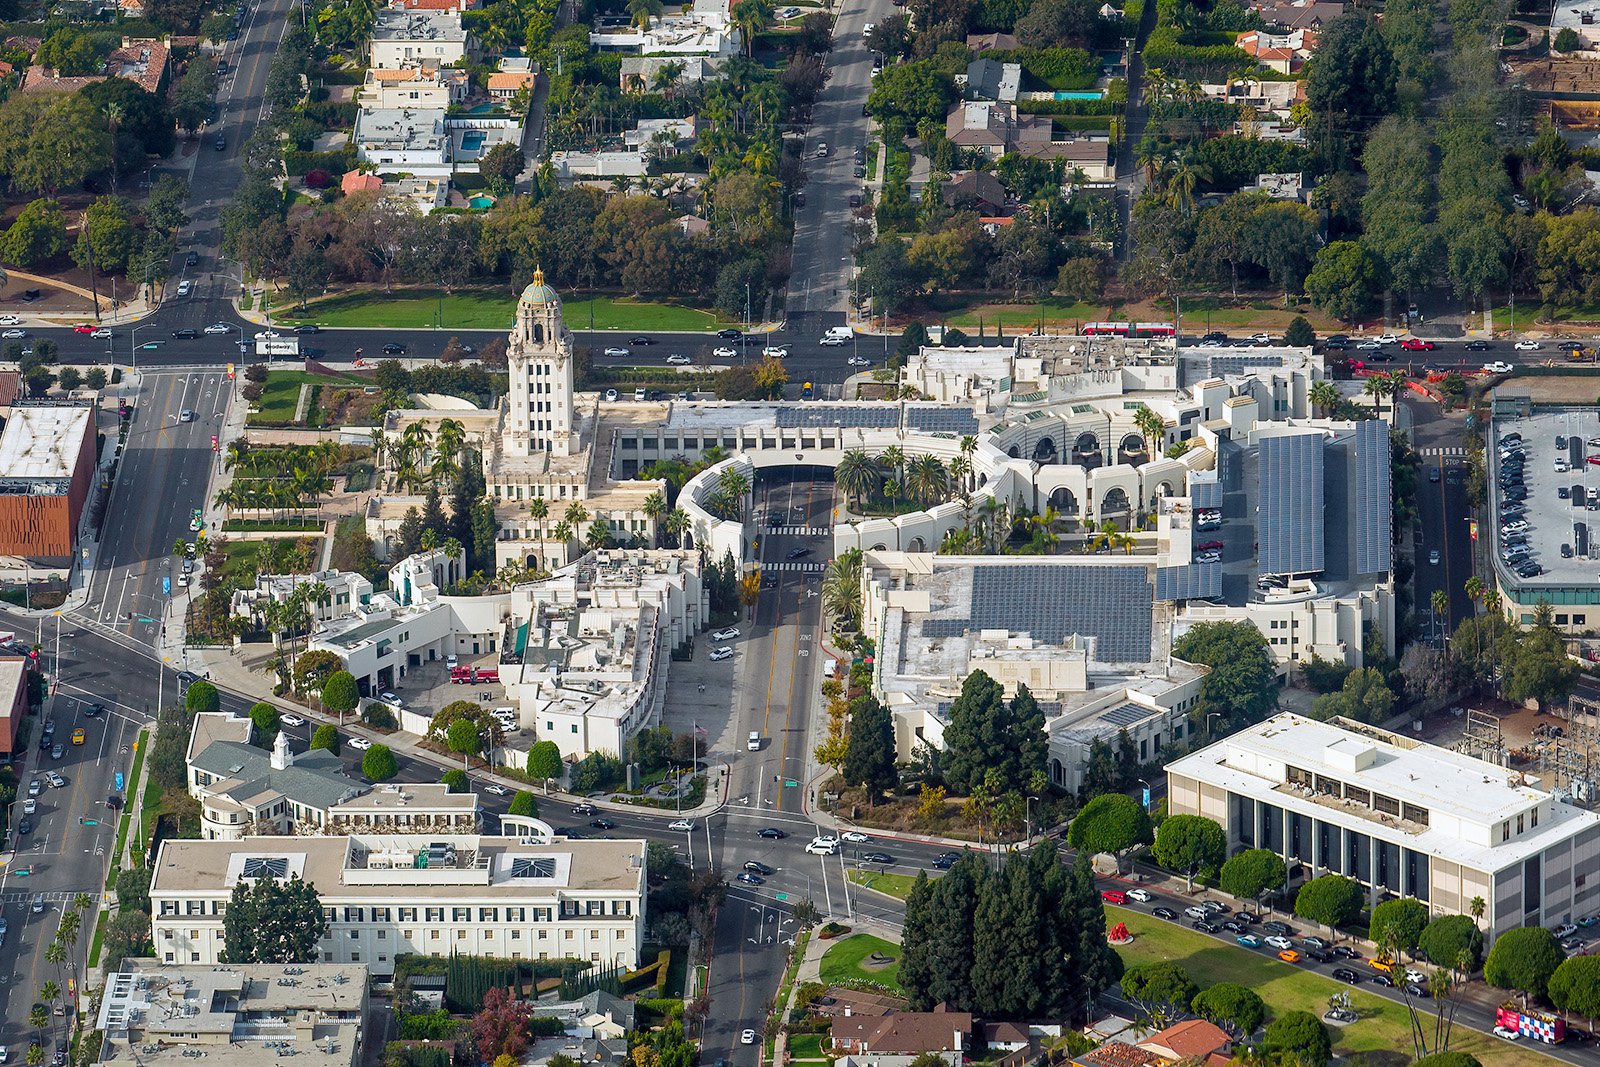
[
  {"x": 1114, "y": 502},
  {"x": 916, "y": 545},
  {"x": 1131, "y": 450},
  {"x": 1064, "y": 501},
  {"x": 1045, "y": 450},
  {"x": 1014, "y": 452},
  {"x": 1086, "y": 451}
]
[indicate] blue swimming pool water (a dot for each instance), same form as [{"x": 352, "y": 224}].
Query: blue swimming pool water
[
  {"x": 1080, "y": 94},
  {"x": 481, "y": 203},
  {"x": 472, "y": 140}
]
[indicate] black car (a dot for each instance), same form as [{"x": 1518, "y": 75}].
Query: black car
[
  {"x": 307, "y": 328},
  {"x": 1346, "y": 975},
  {"x": 192, "y": 259},
  {"x": 641, "y": 341},
  {"x": 394, "y": 348},
  {"x": 94, "y": 711},
  {"x": 1247, "y": 917},
  {"x": 583, "y": 808},
  {"x": 1383, "y": 980},
  {"x": 796, "y": 553},
  {"x": 25, "y": 826},
  {"x": 772, "y": 833},
  {"x": 757, "y": 867},
  {"x": 186, "y": 678},
  {"x": 1215, "y": 335},
  {"x": 1345, "y": 952},
  {"x": 602, "y": 824},
  {"x": 945, "y": 860},
  {"x": 221, "y": 143},
  {"x": 1204, "y": 927},
  {"x": 186, "y": 334},
  {"x": 880, "y": 858},
  {"x": 1165, "y": 913},
  {"x": 1333, "y": 345},
  {"x": 1478, "y": 346},
  {"x": 1321, "y": 955},
  {"x": 222, "y": 66},
  {"x": 730, "y": 334},
  {"x": 1233, "y": 926},
  {"x": 750, "y": 879},
  {"x": 1570, "y": 346},
  {"x": 1279, "y": 928}
]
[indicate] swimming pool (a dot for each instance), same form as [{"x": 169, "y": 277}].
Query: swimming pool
[
  {"x": 481, "y": 203},
  {"x": 1080, "y": 94},
  {"x": 472, "y": 140}
]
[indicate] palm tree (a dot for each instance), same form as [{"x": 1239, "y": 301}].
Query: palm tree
[
  {"x": 380, "y": 448},
  {"x": 447, "y": 444},
  {"x": 642, "y": 11},
  {"x": 1151, "y": 426},
  {"x": 893, "y": 461},
  {"x": 1324, "y": 395},
  {"x": 857, "y": 475},
  {"x": 1378, "y": 386},
  {"x": 1441, "y": 603},
  {"x": 576, "y": 515},
  {"x": 540, "y": 511},
  {"x": 1474, "y": 590},
  {"x": 841, "y": 589},
  {"x": 735, "y": 485},
  {"x": 655, "y": 506},
  {"x": 960, "y": 469},
  {"x": 561, "y": 532},
  {"x": 39, "y": 1018},
  {"x": 927, "y": 480},
  {"x": 751, "y": 17},
  {"x": 35, "y": 1055},
  {"x": 1477, "y": 908},
  {"x": 597, "y": 534},
  {"x": 677, "y": 526}
]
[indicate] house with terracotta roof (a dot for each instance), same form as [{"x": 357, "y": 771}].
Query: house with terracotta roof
[
  {"x": 143, "y": 62},
  {"x": 1285, "y": 53},
  {"x": 505, "y": 84},
  {"x": 894, "y": 1040},
  {"x": 985, "y": 42},
  {"x": 1116, "y": 1054},
  {"x": 1192, "y": 1039},
  {"x": 977, "y": 189},
  {"x": 413, "y": 87},
  {"x": 432, "y": 5},
  {"x": 356, "y": 181}
]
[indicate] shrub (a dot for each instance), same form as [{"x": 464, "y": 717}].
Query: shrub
[{"x": 318, "y": 178}]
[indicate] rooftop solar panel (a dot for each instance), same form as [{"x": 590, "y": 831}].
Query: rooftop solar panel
[
  {"x": 1196, "y": 581},
  {"x": 1126, "y": 715},
  {"x": 870, "y": 416},
  {"x": 1206, "y": 494},
  {"x": 1110, "y": 604},
  {"x": 1372, "y": 530},
  {"x": 1289, "y": 524},
  {"x": 941, "y": 420}
]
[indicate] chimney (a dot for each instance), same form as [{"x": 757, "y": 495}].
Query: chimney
[{"x": 847, "y": 1012}]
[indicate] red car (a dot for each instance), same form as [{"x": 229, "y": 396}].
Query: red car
[
  {"x": 1208, "y": 546},
  {"x": 1113, "y": 896},
  {"x": 1595, "y": 460},
  {"x": 1414, "y": 344},
  {"x": 85, "y": 327}
]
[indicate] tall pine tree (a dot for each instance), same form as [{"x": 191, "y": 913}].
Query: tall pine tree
[{"x": 869, "y": 759}]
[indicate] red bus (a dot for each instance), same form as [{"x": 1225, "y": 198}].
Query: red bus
[{"x": 1129, "y": 329}]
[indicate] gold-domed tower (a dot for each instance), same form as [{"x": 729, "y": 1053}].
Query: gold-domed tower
[{"x": 539, "y": 411}]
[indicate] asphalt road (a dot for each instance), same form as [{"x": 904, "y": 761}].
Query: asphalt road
[{"x": 1443, "y": 514}]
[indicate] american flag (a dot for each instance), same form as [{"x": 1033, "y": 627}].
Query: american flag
[{"x": 700, "y": 730}]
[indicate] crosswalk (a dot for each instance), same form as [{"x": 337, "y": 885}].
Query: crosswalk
[
  {"x": 1453, "y": 452},
  {"x": 801, "y": 531},
  {"x": 795, "y": 565}
]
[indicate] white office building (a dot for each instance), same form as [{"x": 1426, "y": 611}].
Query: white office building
[
  {"x": 1402, "y": 817},
  {"x": 530, "y": 898}
]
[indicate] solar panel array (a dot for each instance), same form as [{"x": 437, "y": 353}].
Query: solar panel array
[
  {"x": 1373, "y": 533},
  {"x": 1126, "y": 715},
  {"x": 1221, "y": 365},
  {"x": 538, "y": 867},
  {"x": 1206, "y": 494},
  {"x": 877, "y": 416},
  {"x": 941, "y": 420},
  {"x": 1194, "y": 581},
  {"x": 265, "y": 866},
  {"x": 1289, "y": 524},
  {"x": 1110, "y": 604}
]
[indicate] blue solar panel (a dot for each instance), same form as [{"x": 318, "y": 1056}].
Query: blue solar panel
[
  {"x": 1373, "y": 532},
  {"x": 1206, "y": 494},
  {"x": 941, "y": 420},
  {"x": 879, "y": 416},
  {"x": 1196, "y": 581},
  {"x": 1289, "y": 524},
  {"x": 1110, "y": 604}
]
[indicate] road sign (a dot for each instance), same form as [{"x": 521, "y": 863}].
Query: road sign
[
  {"x": 166, "y": 586},
  {"x": 783, "y": 896},
  {"x": 790, "y": 783}
]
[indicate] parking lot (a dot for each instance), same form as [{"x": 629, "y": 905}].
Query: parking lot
[
  {"x": 1545, "y": 483},
  {"x": 428, "y": 686}
]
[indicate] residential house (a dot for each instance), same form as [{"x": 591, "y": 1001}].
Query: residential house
[
  {"x": 597, "y": 1015},
  {"x": 409, "y": 38},
  {"x": 649, "y": 139},
  {"x": 1285, "y": 53},
  {"x": 896, "y": 1039},
  {"x": 1280, "y": 186},
  {"x": 433, "y": 5},
  {"x": 978, "y": 190},
  {"x": 1580, "y": 16},
  {"x": 1300, "y": 14},
  {"x": 693, "y": 226},
  {"x": 345, "y": 589},
  {"x": 989, "y": 79},
  {"x": 414, "y": 87},
  {"x": 987, "y": 42},
  {"x": 996, "y": 128},
  {"x": 146, "y": 63},
  {"x": 703, "y": 30},
  {"x": 505, "y": 84},
  {"x": 356, "y": 181},
  {"x": 643, "y": 74},
  {"x": 1190, "y": 1041},
  {"x": 403, "y": 139}
]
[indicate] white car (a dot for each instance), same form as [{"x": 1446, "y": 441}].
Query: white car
[
  {"x": 748, "y": 1037},
  {"x": 1505, "y": 1033},
  {"x": 724, "y": 353},
  {"x": 102, "y": 333},
  {"x": 10, "y": 320},
  {"x": 1566, "y": 929},
  {"x": 1526, "y": 346},
  {"x": 617, "y": 352},
  {"x": 823, "y": 846},
  {"x": 218, "y": 327},
  {"x": 293, "y": 720},
  {"x": 775, "y": 351},
  {"x": 184, "y": 287},
  {"x": 858, "y": 361},
  {"x": 268, "y": 335},
  {"x": 497, "y": 789},
  {"x": 681, "y": 824},
  {"x": 1388, "y": 339},
  {"x": 1141, "y": 895},
  {"x": 1497, "y": 367},
  {"x": 1415, "y": 976},
  {"x": 719, "y": 654},
  {"x": 1369, "y": 345},
  {"x": 360, "y": 742},
  {"x": 1195, "y": 911},
  {"x": 725, "y": 635},
  {"x": 1433, "y": 556},
  {"x": 832, "y": 342},
  {"x": 678, "y": 359},
  {"x": 390, "y": 699},
  {"x": 1280, "y": 943},
  {"x": 30, "y": 806},
  {"x": 855, "y": 837},
  {"x": 12, "y": 335}
]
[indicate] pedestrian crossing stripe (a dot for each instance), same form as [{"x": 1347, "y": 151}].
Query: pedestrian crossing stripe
[
  {"x": 795, "y": 565},
  {"x": 801, "y": 531},
  {"x": 1444, "y": 453}
]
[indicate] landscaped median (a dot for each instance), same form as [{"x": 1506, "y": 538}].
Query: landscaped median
[
  {"x": 1285, "y": 987},
  {"x": 490, "y": 309},
  {"x": 862, "y": 960},
  {"x": 890, "y": 885}
]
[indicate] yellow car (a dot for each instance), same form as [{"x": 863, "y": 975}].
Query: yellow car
[
  {"x": 1289, "y": 955},
  {"x": 78, "y": 736}
]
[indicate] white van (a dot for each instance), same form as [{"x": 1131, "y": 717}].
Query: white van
[
  {"x": 754, "y": 743},
  {"x": 823, "y": 846}
]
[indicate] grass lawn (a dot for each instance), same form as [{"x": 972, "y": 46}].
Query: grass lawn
[
  {"x": 1284, "y": 987},
  {"x": 280, "y": 397},
  {"x": 894, "y": 885},
  {"x": 422, "y": 309},
  {"x": 1024, "y": 317},
  {"x": 806, "y": 1046},
  {"x": 843, "y": 961}
]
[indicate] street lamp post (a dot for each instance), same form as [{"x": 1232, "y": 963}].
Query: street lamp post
[
  {"x": 133, "y": 344},
  {"x": 1145, "y": 799}
]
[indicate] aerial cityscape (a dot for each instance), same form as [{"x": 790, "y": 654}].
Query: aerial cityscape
[{"x": 843, "y": 533}]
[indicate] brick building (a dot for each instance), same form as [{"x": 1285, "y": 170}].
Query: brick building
[{"x": 47, "y": 461}]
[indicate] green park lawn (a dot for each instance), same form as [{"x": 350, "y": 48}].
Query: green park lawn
[
  {"x": 893, "y": 885},
  {"x": 415, "y": 309},
  {"x": 281, "y": 395},
  {"x": 842, "y": 961},
  {"x": 1055, "y": 312},
  {"x": 805, "y": 1047},
  {"x": 1285, "y": 987}
]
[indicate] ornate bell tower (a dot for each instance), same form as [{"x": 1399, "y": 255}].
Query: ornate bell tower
[{"x": 539, "y": 415}]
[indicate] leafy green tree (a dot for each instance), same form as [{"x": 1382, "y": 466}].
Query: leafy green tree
[
  {"x": 1350, "y": 87},
  {"x": 106, "y": 237},
  {"x": 272, "y": 921},
  {"x": 1344, "y": 280},
  {"x": 1536, "y": 663},
  {"x": 1241, "y": 685},
  {"x": 1331, "y": 899},
  {"x": 1162, "y": 984},
  {"x": 869, "y": 759},
  {"x": 1299, "y": 333},
  {"x": 1567, "y": 40},
  {"x": 544, "y": 760},
  {"x": 1300, "y": 1038},
  {"x": 38, "y": 235},
  {"x": 202, "y": 696},
  {"x": 1399, "y": 922},
  {"x": 340, "y": 693},
  {"x": 464, "y": 738},
  {"x": 456, "y": 780},
  {"x": 524, "y": 803},
  {"x": 1574, "y": 987},
  {"x": 133, "y": 888},
  {"x": 1522, "y": 960},
  {"x": 500, "y": 167},
  {"x": 1192, "y": 844},
  {"x": 1365, "y": 696},
  {"x": 326, "y": 737},
  {"x": 128, "y": 935},
  {"x": 1110, "y": 823},
  {"x": 1251, "y": 873},
  {"x": 267, "y": 722},
  {"x": 1453, "y": 941},
  {"x": 1232, "y": 1007},
  {"x": 989, "y": 740},
  {"x": 378, "y": 763},
  {"x": 912, "y": 91}
]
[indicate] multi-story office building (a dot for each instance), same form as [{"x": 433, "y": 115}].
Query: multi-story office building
[
  {"x": 434, "y": 894},
  {"x": 1402, "y": 817}
]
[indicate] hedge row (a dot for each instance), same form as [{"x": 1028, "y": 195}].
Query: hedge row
[
  {"x": 1071, "y": 107},
  {"x": 338, "y": 161},
  {"x": 1053, "y": 68}
]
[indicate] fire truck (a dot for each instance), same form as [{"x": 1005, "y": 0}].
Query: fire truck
[{"x": 1537, "y": 1025}]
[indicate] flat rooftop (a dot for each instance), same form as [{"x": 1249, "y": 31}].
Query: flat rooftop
[
  {"x": 400, "y": 25},
  {"x": 1552, "y": 521},
  {"x": 42, "y": 443}
]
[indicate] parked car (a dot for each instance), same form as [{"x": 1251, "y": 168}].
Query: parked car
[
  {"x": 1165, "y": 913},
  {"x": 1141, "y": 895}
]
